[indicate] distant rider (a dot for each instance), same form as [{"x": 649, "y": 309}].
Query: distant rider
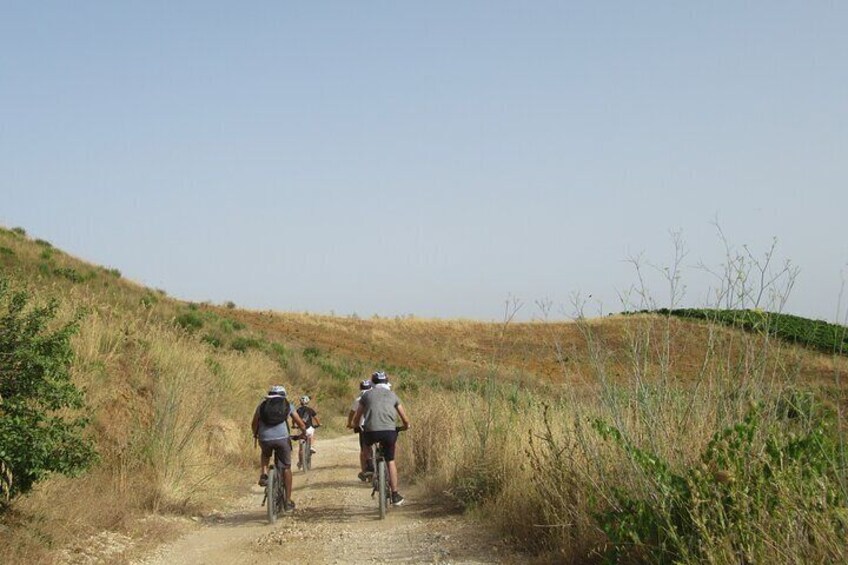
[
  {"x": 310, "y": 417},
  {"x": 365, "y": 463},
  {"x": 379, "y": 407},
  {"x": 270, "y": 427}
]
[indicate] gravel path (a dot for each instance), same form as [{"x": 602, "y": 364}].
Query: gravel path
[{"x": 335, "y": 522}]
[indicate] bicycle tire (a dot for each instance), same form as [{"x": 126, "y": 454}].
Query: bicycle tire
[
  {"x": 382, "y": 487},
  {"x": 271, "y": 495}
]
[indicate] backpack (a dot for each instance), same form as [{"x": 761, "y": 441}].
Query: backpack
[
  {"x": 274, "y": 411},
  {"x": 305, "y": 413}
]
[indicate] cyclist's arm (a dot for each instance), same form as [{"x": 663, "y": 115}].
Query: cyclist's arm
[
  {"x": 316, "y": 421},
  {"x": 350, "y": 418},
  {"x": 357, "y": 417},
  {"x": 254, "y": 425},
  {"x": 403, "y": 417}
]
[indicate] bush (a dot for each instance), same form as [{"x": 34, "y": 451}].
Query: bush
[
  {"x": 40, "y": 431},
  {"x": 738, "y": 494},
  {"x": 20, "y": 231},
  {"x": 189, "y": 321},
  {"x": 44, "y": 243}
]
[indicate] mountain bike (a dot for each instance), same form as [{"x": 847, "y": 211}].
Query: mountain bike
[
  {"x": 275, "y": 493},
  {"x": 305, "y": 455},
  {"x": 380, "y": 477}
]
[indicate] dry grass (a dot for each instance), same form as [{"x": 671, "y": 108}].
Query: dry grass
[{"x": 171, "y": 413}]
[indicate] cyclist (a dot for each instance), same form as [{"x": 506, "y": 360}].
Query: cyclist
[
  {"x": 365, "y": 463},
  {"x": 379, "y": 407},
  {"x": 310, "y": 418},
  {"x": 270, "y": 427}
]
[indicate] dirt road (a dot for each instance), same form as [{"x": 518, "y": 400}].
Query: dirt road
[{"x": 335, "y": 522}]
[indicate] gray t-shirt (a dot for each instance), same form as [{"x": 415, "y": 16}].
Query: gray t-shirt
[
  {"x": 271, "y": 433},
  {"x": 379, "y": 407}
]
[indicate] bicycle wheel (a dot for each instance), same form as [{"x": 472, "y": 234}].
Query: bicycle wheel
[
  {"x": 271, "y": 495},
  {"x": 382, "y": 486},
  {"x": 307, "y": 454}
]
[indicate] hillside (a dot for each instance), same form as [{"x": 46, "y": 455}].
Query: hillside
[{"x": 171, "y": 385}]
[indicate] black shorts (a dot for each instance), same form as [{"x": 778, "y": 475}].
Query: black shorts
[
  {"x": 362, "y": 444},
  {"x": 387, "y": 440}
]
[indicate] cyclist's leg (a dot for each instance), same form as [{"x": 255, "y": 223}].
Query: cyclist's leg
[
  {"x": 388, "y": 441},
  {"x": 284, "y": 461},
  {"x": 264, "y": 460}
]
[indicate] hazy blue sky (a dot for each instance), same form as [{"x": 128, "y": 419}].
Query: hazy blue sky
[{"x": 429, "y": 157}]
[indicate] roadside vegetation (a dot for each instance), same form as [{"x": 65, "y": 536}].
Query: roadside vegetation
[
  {"x": 816, "y": 334},
  {"x": 638, "y": 438}
]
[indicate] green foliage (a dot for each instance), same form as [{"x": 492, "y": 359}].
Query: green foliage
[
  {"x": 149, "y": 300},
  {"x": 44, "y": 243},
  {"x": 242, "y": 344},
  {"x": 72, "y": 274},
  {"x": 342, "y": 370},
  {"x": 816, "y": 334},
  {"x": 40, "y": 429},
  {"x": 46, "y": 254},
  {"x": 739, "y": 483},
  {"x": 19, "y": 231},
  {"x": 6, "y": 251},
  {"x": 230, "y": 304},
  {"x": 212, "y": 340},
  {"x": 190, "y": 321}
]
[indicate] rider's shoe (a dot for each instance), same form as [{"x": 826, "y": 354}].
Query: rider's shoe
[
  {"x": 299, "y": 465},
  {"x": 289, "y": 506},
  {"x": 263, "y": 480},
  {"x": 362, "y": 476},
  {"x": 397, "y": 499},
  {"x": 313, "y": 450}
]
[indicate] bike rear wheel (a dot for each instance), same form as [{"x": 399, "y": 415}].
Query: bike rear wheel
[
  {"x": 307, "y": 454},
  {"x": 382, "y": 487},
  {"x": 271, "y": 495}
]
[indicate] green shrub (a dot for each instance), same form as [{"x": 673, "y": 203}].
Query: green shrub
[
  {"x": 212, "y": 340},
  {"x": 6, "y": 252},
  {"x": 70, "y": 274},
  {"x": 149, "y": 300},
  {"x": 40, "y": 429},
  {"x": 46, "y": 254},
  {"x": 19, "y": 231},
  {"x": 189, "y": 321},
  {"x": 230, "y": 304},
  {"x": 242, "y": 344},
  {"x": 43, "y": 243},
  {"x": 736, "y": 494}
]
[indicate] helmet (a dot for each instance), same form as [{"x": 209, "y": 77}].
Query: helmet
[
  {"x": 379, "y": 377},
  {"x": 304, "y": 399},
  {"x": 277, "y": 390},
  {"x": 365, "y": 385}
]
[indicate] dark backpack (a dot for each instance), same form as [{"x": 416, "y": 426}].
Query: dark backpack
[{"x": 274, "y": 411}]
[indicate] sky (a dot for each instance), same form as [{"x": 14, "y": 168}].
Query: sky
[{"x": 433, "y": 158}]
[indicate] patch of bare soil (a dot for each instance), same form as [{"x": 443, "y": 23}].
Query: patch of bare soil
[{"x": 336, "y": 521}]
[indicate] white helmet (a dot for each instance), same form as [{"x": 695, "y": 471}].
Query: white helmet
[
  {"x": 304, "y": 399},
  {"x": 277, "y": 390}
]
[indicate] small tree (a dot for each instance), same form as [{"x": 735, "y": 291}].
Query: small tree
[{"x": 40, "y": 423}]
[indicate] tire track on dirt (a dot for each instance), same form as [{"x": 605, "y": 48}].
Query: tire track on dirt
[{"x": 335, "y": 522}]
